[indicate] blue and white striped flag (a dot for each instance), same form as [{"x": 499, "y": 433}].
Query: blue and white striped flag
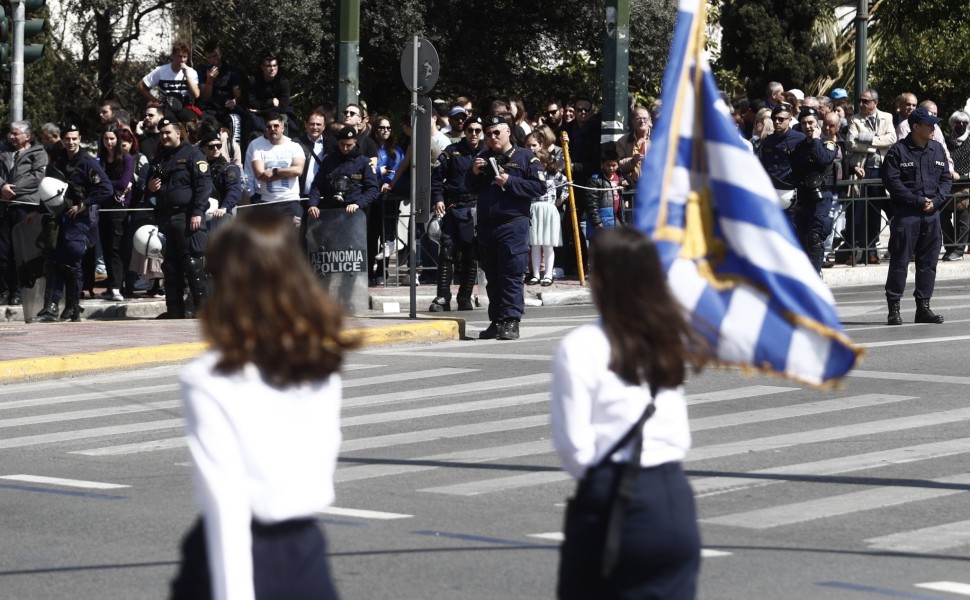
[{"x": 729, "y": 252}]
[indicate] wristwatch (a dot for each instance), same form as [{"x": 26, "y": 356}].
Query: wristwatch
[{"x": 276, "y": 171}]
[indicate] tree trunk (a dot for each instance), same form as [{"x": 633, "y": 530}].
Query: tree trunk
[{"x": 106, "y": 73}]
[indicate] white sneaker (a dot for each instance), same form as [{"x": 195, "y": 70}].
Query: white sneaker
[{"x": 112, "y": 296}]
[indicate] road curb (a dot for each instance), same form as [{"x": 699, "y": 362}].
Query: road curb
[{"x": 47, "y": 367}]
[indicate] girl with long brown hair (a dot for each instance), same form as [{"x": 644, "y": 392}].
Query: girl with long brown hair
[{"x": 262, "y": 418}]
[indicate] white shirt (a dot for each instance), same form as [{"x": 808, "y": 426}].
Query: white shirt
[
  {"x": 172, "y": 82},
  {"x": 314, "y": 166},
  {"x": 258, "y": 452},
  {"x": 592, "y": 408},
  {"x": 279, "y": 156}
]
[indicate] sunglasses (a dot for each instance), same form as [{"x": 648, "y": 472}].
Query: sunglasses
[
  {"x": 213, "y": 146},
  {"x": 351, "y": 113},
  {"x": 384, "y": 127},
  {"x": 474, "y": 130},
  {"x": 552, "y": 113},
  {"x": 865, "y": 100},
  {"x": 780, "y": 119},
  {"x": 583, "y": 110},
  {"x": 494, "y": 133}
]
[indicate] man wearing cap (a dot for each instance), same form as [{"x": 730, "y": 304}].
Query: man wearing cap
[
  {"x": 871, "y": 133},
  {"x": 180, "y": 182},
  {"x": 506, "y": 179},
  {"x": 88, "y": 187},
  {"x": 918, "y": 180},
  {"x": 23, "y": 162},
  {"x": 775, "y": 152},
  {"x": 226, "y": 179},
  {"x": 455, "y": 205},
  {"x": 456, "y": 120},
  {"x": 277, "y": 162},
  {"x": 812, "y": 161},
  {"x": 345, "y": 179}
]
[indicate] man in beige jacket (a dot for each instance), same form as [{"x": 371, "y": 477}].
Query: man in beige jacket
[{"x": 871, "y": 133}]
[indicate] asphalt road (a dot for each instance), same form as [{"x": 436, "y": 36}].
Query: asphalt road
[{"x": 447, "y": 486}]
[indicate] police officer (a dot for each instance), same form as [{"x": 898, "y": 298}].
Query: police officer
[
  {"x": 456, "y": 206},
  {"x": 345, "y": 178},
  {"x": 506, "y": 179},
  {"x": 180, "y": 182},
  {"x": 226, "y": 179},
  {"x": 917, "y": 177},
  {"x": 88, "y": 187},
  {"x": 775, "y": 155},
  {"x": 812, "y": 161}
]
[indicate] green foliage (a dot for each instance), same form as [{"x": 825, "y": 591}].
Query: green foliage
[
  {"x": 775, "y": 40},
  {"x": 921, "y": 52}
]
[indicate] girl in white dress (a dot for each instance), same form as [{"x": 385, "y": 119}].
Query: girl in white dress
[{"x": 545, "y": 232}]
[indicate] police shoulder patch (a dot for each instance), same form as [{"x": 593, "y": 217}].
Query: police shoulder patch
[
  {"x": 95, "y": 178},
  {"x": 533, "y": 159},
  {"x": 232, "y": 175},
  {"x": 830, "y": 144},
  {"x": 203, "y": 166}
]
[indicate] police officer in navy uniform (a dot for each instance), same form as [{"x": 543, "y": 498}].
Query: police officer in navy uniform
[
  {"x": 226, "y": 179},
  {"x": 455, "y": 205},
  {"x": 506, "y": 179},
  {"x": 775, "y": 155},
  {"x": 812, "y": 161},
  {"x": 88, "y": 187},
  {"x": 344, "y": 180},
  {"x": 180, "y": 183},
  {"x": 917, "y": 177}
]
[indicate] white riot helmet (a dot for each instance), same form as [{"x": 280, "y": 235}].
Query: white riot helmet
[
  {"x": 434, "y": 229},
  {"x": 213, "y": 207},
  {"x": 51, "y": 194},
  {"x": 149, "y": 242}
]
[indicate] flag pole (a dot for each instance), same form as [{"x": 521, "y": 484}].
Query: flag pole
[{"x": 572, "y": 208}]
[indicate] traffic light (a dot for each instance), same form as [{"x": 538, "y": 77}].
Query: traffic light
[{"x": 33, "y": 28}]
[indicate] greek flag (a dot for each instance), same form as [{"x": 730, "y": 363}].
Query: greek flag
[{"x": 728, "y": 249}]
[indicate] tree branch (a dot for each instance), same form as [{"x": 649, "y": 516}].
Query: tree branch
[{"x": 134, "y": 35}]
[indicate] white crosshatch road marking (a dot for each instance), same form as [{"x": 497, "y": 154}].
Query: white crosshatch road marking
[
  {"x": 951, "y": 587},
  {"x": 78, "y": 483},
  {"x": 363, "y": 514},
  {"x": 926, "y": 540}
]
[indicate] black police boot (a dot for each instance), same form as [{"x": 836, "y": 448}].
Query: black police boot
[
  {"x": 445, "y": 271},
  {"x": 508, "y": 330},
  {"x": 490, "y": 332},
  {"x": 72, "y": 297},
  {"x": 468, "y": 276},
  {"x": 174, "y": 301},
  {"x": 894, "y": 318},
  {"x": 198, "y": 282},
  {"x": 924, "y": 314}
]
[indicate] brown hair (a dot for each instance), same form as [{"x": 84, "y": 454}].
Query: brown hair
[
  {"x": 288, "y": 327},
  {"x": 650, "y": 337}
]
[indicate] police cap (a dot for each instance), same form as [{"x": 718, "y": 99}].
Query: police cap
[
  {"x": 499, "y": 119},
  {"x": 921, "y": 116},
  {"x": 70, "y": 127},
  {"x": 473, "y": 120},
  {"x": 347, "y": 133},
  {"x": 808, "y": 111},
  {"x": 780, "y": 108},
  {"x": 207, "y": 137},
  {"x": 165, "y": 122}
]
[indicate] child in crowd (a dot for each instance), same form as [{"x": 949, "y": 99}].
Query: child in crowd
[
  {"x": 603, "y": 204},
  {"x": 546, "y": 230}
]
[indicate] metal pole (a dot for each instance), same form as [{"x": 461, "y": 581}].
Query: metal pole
[
  {"x": 616, "y": 47},
  {"x": 412, "y": 234},
  {"x": 572, "y": 208},
  {"x": 348, "y": 53},
  {"x": 17, "y": 64},
  {"x": 861, "y": 48}
]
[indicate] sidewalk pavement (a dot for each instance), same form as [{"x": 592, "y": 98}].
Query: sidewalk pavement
[{"x": 123, "y": 335}]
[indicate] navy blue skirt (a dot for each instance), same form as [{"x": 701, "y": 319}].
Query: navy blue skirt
[
  {"x": 660, "y": 548},
  {"x": 289, "y": 563}
]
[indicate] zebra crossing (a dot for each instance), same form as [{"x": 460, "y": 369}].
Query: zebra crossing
[{"x": 434, "y": 425}]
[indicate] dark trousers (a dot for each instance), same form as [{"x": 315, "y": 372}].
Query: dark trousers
[
  {"x": 909, "y": 234},
  {"x": 10, "y": 216},
  {"x": 112, "y": 229},
  {"x": 813, "y": 223},
  {"x": 289, "y": 563},
  {"x": 864, "y": 218},
  {"x": 660, "y": 549},
  {"x": 955, "y": 238},
  {"x": 180, "y": 244},
  {"x": 503, "y": 251}
]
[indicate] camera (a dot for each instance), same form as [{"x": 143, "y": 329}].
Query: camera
[
  {"x": 341, "y": 185},
  {"x": 157, "y": 172}
]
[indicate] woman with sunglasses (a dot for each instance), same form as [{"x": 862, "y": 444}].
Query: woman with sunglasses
[{"x": 383, "y": 214}]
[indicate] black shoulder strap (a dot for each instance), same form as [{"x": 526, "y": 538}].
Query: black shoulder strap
[{"x": 637, "y": 427}]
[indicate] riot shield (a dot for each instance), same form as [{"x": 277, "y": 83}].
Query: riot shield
[
  {"x": 337, "y": 248},
  {"x": 27, "y": 241}
]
